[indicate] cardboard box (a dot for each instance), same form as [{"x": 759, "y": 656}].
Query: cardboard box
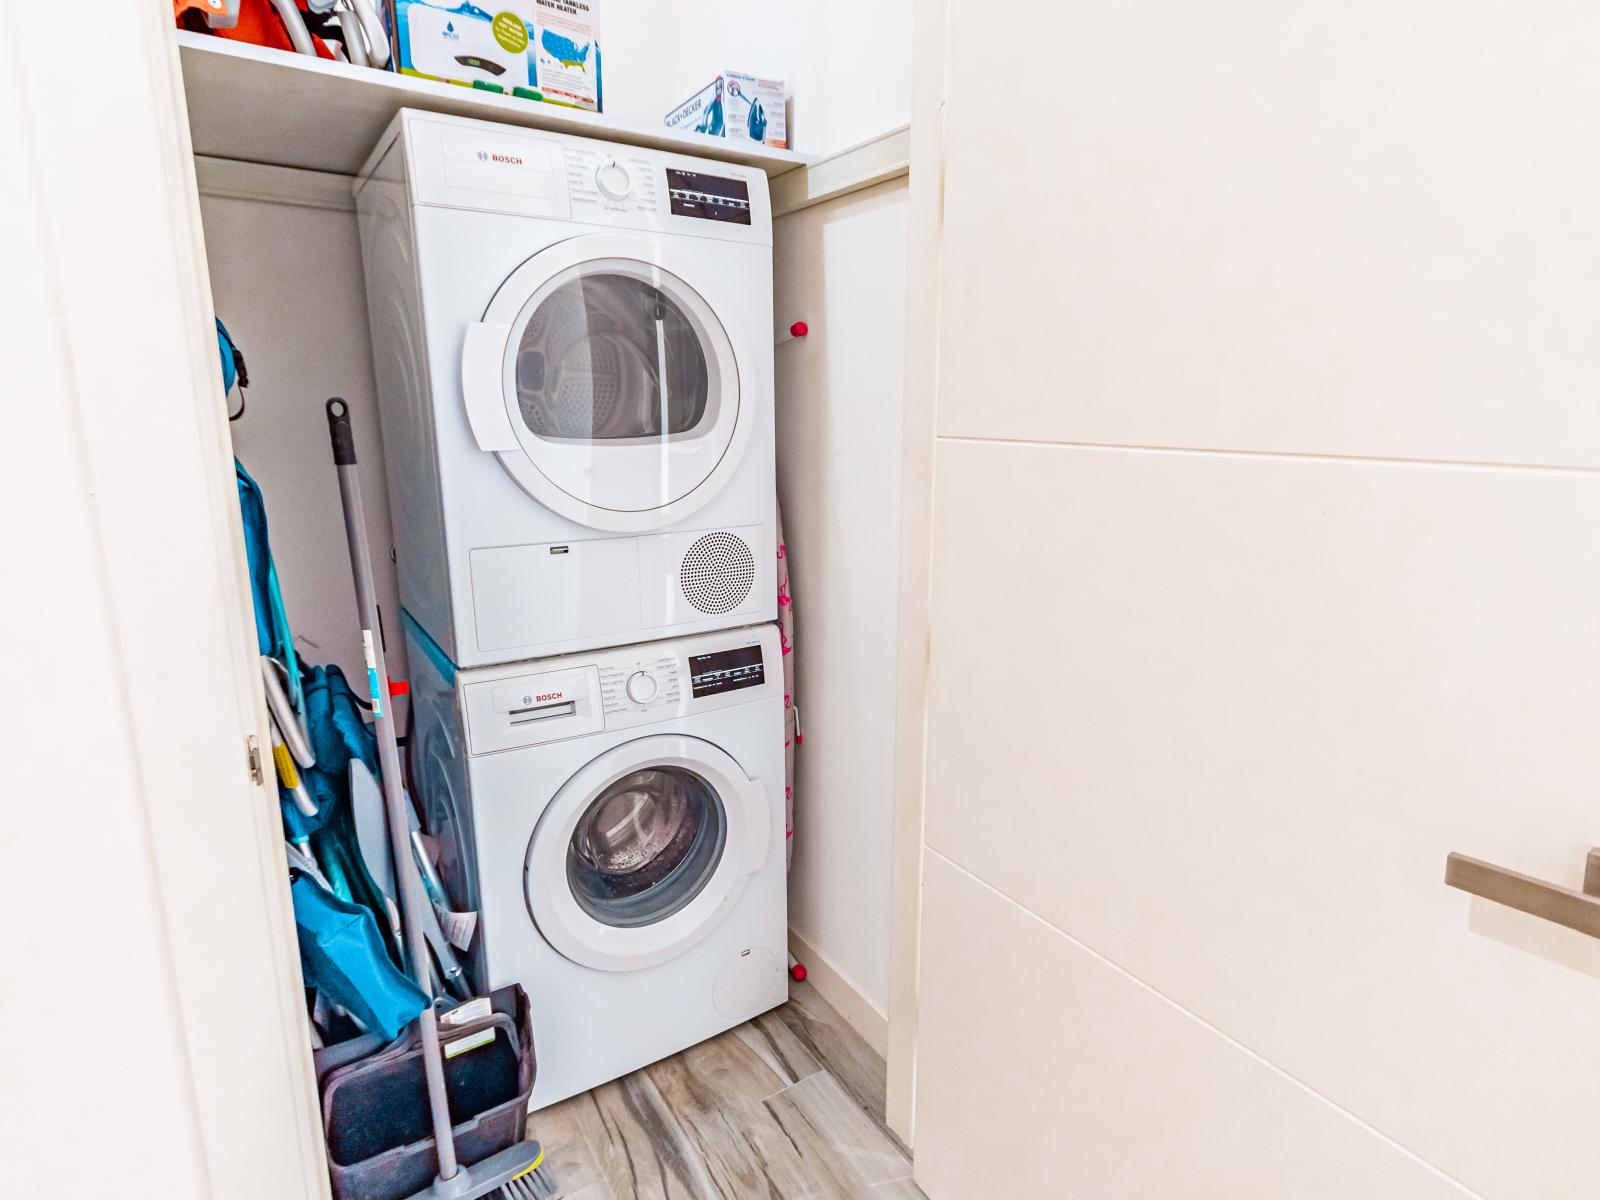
[
  {"x": 736, "y": 105},
  {"x": 538, "y": 49}
]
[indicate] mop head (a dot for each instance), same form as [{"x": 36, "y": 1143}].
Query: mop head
[
  {"x": 514, "y": 1174},
  {"x": 537, "y": 1184}
]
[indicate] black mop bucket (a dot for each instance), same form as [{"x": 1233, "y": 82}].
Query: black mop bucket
[{"x": 375, "y": 1108}]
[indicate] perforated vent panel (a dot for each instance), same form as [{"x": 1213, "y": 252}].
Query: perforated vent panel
[{"x": 718, "y": 573}]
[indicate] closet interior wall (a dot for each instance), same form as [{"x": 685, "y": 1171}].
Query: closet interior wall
[
  {"x": 286, "y": 280},
  {"x": 286, "y": 276}
]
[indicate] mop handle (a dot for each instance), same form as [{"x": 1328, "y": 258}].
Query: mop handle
[{"x": 412, "y": 900}]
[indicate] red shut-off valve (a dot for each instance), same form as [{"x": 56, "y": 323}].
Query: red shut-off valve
[{"x": 798, "y": 330}]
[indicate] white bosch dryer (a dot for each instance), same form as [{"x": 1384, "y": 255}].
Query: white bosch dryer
[
  {"x": 573, "y": 349},
  {"x": 616, "y": 819}
]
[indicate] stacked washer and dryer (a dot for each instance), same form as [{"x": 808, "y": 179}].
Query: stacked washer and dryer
[{"x": 573, "y": 347}]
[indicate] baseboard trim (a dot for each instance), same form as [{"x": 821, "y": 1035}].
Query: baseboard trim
[{"x": 850, "y": 1004}]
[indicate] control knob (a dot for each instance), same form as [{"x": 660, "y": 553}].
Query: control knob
[
  {"x": 642, "y": 687},
  {"x": 613, "y": 181}
]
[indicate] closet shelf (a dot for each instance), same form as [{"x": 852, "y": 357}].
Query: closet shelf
[{"x": 260, "y": 105}]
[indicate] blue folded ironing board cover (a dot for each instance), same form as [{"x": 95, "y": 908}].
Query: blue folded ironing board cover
[
  {"x": 347, "y": 949},
  {"x": 341, "y": 953}
]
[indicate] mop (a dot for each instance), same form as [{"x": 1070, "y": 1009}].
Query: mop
[{"x": 513, "y": 1173}]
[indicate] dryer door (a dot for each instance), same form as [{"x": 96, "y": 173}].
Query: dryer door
[
  {"x": 607, "y": 385},
  {"x": 644, "y": 851}
]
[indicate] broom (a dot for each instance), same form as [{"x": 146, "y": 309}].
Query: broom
[{"x": 514, "y": 1173}]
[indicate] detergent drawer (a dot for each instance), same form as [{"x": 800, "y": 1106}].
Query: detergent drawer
[{"x": 529, "y": 710}]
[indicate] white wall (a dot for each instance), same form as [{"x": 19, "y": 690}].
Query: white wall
[
  {"x": 1265, "y": 575},
  {"x": 848, "y": 65},
  {"x": 839, "y": 435},
  {"x": 286, "y": 280}
]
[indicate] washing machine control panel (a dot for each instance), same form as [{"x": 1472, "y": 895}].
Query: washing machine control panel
[
  {"x": 638, "y": 685},
  {"x": 730, "y": 670},
  {"x": 508, "y": 708},
  {"x": 641, "y": 685}
]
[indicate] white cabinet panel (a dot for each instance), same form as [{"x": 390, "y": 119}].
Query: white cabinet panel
[
  {"x": 1363, "y": 228},
  {"x": 839, "y": 433},
  {"x": 1046, "y": 1072},
  {"x": 1221, "y": 718}
]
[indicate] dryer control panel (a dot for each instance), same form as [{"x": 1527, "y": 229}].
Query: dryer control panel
[
  {"x": 617, "y": 179},
  {"x": 506, "y": 708},
  {"x": 456, "y": 162}
]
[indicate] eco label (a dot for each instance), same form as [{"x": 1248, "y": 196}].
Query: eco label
[
  {"x": 471, "y": 1042},
  {"x": 511, "y": 32}
]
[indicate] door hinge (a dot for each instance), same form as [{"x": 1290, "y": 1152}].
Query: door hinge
[{"x": 254, "y": 748}]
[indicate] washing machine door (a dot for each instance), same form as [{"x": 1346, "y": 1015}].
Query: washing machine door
[
  {"x": 644, "y": 851},
  {"x": 607, "y": 385}
]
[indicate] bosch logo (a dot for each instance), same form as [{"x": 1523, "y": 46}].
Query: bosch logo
[
  {"x": 546, "y": 697},
  {"x": 511, "y": 160}
]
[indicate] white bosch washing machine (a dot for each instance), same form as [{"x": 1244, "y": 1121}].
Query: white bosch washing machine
[
  {"x": 573, "y": 348},
  {"x": 616, "y": 819}
]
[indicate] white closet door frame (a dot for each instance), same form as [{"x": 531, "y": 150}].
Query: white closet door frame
[
  {"x": 125, "y": 377},
  {"x": 924, "y": 281}
]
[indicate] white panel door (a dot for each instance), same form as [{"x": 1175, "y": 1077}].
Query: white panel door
[
  {"x": 150, "y": 858},
  {"x": 1266, "y": 572},
  {"x": 1345, "y": 228}
]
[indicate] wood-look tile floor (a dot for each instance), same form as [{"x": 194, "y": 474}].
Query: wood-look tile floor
[{"x": 786, "y": 1107}]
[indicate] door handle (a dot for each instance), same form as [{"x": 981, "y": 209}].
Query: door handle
[
  {"x": 1537, "y": 897},
  {"x": 482, "y": 386}
]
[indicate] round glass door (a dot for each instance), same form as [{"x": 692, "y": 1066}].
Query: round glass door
[
  {"x": 644, "y": 850},
  {"x": 646, "y": 846},
  {"x": 619, "y": 386},
  {"x": 609, "y": 357}
]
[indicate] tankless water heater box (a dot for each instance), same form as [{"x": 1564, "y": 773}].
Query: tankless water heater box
[
  {"x": 537, "y": 49},
  {"x": 736, "y": 105}
]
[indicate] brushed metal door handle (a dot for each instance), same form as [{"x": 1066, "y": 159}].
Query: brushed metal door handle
[{"x": 1537, "y": 897}]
